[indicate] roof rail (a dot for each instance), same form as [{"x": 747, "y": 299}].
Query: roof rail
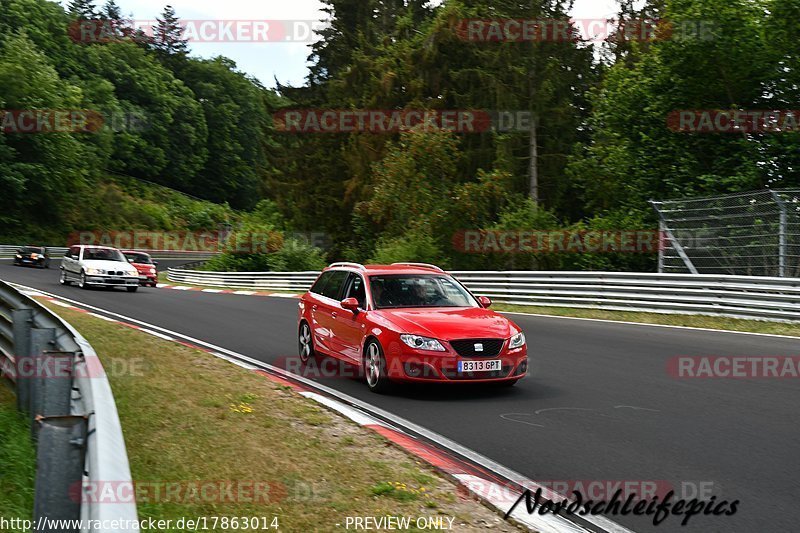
[
  {"x": 422, "y": 265},
  {"x": 352, "y": 265}
]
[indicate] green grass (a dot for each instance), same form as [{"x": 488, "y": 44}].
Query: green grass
[
  {"x": 187, "y": 415},
  {"x": 692, "y": 321},
  {"x": 17, "y": 460}
]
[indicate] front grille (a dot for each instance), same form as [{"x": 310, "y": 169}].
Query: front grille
[{"x": 466, "y": 347}]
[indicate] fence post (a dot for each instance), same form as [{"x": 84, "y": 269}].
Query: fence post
[
  {"x": 22, "y": 322},
  {"x": 59, "y": 469},
  {"x": 57, "y": 388},
  {"x": 673, "y": 240},
  {"x": 782, "y": 243},
  {"x": 41, "y": 341}
]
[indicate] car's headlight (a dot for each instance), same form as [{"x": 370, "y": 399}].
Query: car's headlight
[
  {"x": 19, "y": 256},
  {"x": 423, "y": 343},
  {"x": 517, "y": 341},
  {"x": 95, "y": 271}
]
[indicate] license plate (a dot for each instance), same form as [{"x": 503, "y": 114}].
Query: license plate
[{"x": 480, "y": 366}]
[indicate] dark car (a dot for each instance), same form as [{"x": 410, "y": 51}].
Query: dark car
[{"x": 36, "y": 256}]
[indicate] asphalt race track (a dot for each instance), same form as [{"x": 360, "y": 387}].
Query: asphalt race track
[{"x": 600, "y": 404}]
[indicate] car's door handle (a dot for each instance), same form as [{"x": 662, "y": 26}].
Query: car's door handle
[
  {"x": 313, "y": 307},
  {"x": 333, "y": 314}
]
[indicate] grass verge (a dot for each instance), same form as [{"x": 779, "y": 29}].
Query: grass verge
[
  {"x": 691, "y": 321},
  {"x": 188, "y": 416},
  {"x": 17, "y": 460}
]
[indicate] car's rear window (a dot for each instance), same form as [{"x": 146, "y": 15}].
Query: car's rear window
[{"x": 330, "y": 283}]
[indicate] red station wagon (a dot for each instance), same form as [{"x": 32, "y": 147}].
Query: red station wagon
[{"x": 408, "y": 322}]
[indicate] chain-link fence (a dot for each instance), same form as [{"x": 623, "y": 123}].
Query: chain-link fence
[{"x": 748, "y": 234}]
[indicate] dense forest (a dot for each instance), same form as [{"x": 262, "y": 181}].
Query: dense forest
[{"x": 597, "y": 148}]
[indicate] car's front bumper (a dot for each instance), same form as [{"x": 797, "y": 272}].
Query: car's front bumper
[
  {"x": 148, "y": 280},
  {"x": 407, "y": 364},
  {"x": 112, "y": 281},
  {"x": 30, "y": 262}
]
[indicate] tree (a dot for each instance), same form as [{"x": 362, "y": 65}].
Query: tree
[
  {"x": 82, "y": 9},
  {"x": 168, "y": 35}
]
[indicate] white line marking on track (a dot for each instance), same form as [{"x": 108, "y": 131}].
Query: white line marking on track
[
  {"x": 96, "y": 315},
  {"x": 156, "y": 334},
  {"x": 353, "y": 414},
  {"x": 653, "y": 325}
]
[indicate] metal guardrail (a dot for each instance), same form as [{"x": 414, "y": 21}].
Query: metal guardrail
[
  {"x": 747, "y": 297},
  {"x": 56, "y": 252},
  {"x": 61, "y": 385},
  {"x": 276, "y": 281}
]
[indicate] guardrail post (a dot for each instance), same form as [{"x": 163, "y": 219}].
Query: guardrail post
[
  {"x": 23, "y": 321},
  {"x": 41, "y": 341},
  {"x": 57, "y": 384},
  {"x": 59, "y": 469},
  {"x": 782, "y": 243}
]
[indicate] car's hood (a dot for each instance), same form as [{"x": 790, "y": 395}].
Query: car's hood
[
  {"x": 450, "y": 324},
  {"x": 107, "y": 265}
]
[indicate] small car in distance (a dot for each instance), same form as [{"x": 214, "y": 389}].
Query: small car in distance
[
  {"x": 32, "y": 256},
  {"x": 144, "y": 264},
  {"x": 408, "y": 322},
  {"x": 98, "y": 266}
]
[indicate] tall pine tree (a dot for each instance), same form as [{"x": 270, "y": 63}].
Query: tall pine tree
[{"x": 168, "y": 38}]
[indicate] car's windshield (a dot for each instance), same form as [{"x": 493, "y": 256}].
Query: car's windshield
[
  {"x": 142, "y": 259},
  {"x": 32, "y": 250},
  {"x": 103, "y": 254},
  {"x": 418, "y": 290}
]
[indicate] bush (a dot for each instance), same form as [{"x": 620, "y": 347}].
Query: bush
[
  {"x": 292, "y": 256},
  {"x": 416, "y": 246}
]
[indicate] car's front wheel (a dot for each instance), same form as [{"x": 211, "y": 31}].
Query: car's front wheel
[
  {"x": 375, "y": 367},
  {"x": 132, "y": 289},
  {"x": 305, "y": 343},
  {"x": 82, "y": 281}
]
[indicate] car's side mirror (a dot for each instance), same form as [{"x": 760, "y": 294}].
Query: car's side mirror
[
  {"x": 155, "y": 263},
  {"x": 485, "y": 301},
  {"x": 351, "y": 304}
]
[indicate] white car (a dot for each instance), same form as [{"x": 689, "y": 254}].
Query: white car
[{"x": 98, "y": 266}]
